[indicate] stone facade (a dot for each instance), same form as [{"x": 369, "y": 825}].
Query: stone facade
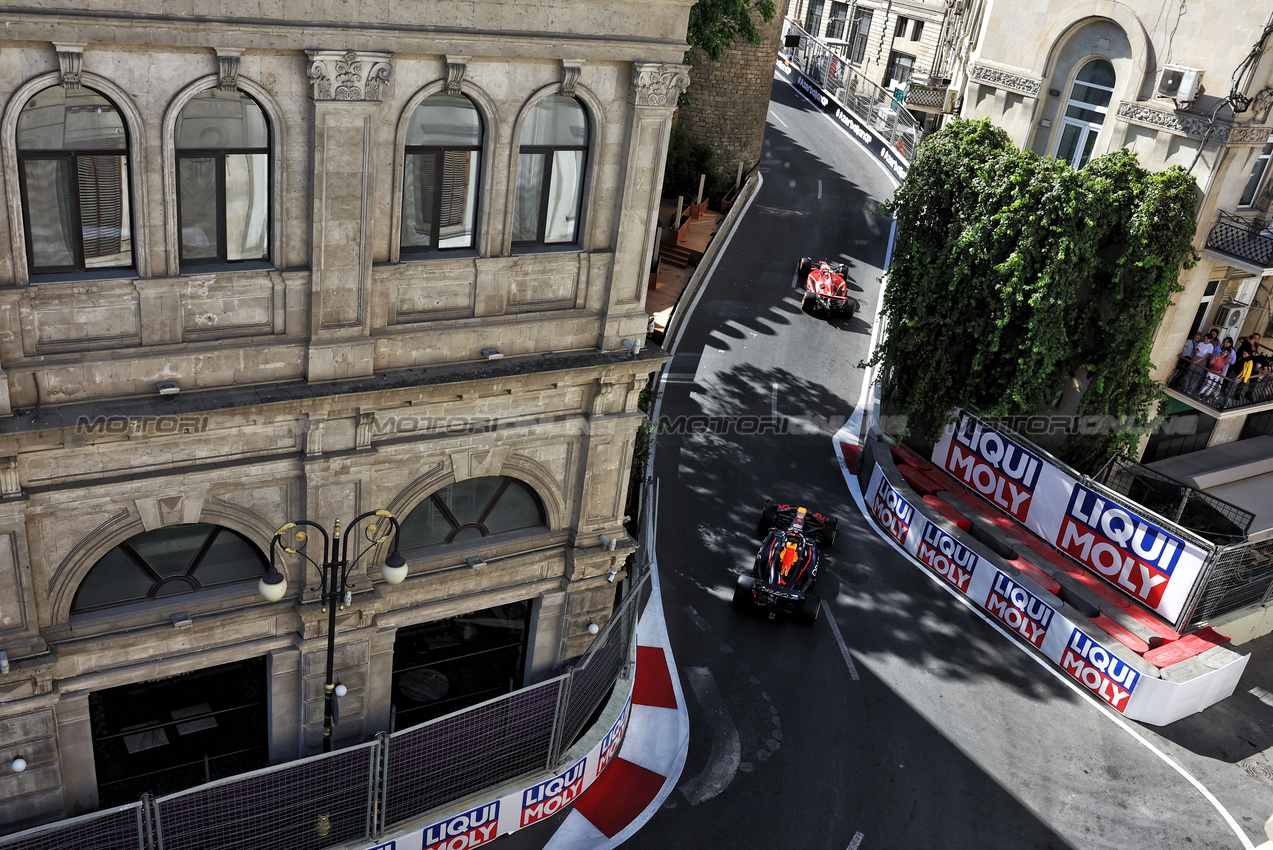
[
  {"x": 1022, "y": 75},
  {"x": 731, "y": 98},
  {"x": 340, "y": 375}
]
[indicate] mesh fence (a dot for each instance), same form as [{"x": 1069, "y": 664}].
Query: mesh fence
[
  {"x": 455, "y": 756},
  {"x": 113, "y": 829},
  {"x": 1204, "y": 514},
  {"x": 1239, "y": 577},
  {"x": 304, "y": 805},
  {"x": 594, "y": 676},
  {"x": 855, "y": 92}
]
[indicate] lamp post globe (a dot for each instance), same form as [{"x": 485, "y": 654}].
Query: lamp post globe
[{"x": 272, "y": 586}]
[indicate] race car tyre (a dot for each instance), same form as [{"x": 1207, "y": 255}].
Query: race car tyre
[
  {"x": 803, "y": 269},
  {"x": 767, "y": 516},
  {"x": 804, "y": 302},
  {"x": 828, "y": 533},
  {"x": 742, "y": 593},
  {"x": 810, "y": 607}
]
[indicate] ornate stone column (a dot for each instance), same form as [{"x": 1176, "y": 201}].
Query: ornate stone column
[
  {"x": 653, "y": 95},
  {"x": 345, "y": 88}
]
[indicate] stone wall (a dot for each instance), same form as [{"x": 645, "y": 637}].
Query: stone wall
[{"x": 731, "y": 98}]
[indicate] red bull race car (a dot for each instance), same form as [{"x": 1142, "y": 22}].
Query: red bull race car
[
  {"x": 786, "y": 567},
  {"x": 825, "y": 288}
]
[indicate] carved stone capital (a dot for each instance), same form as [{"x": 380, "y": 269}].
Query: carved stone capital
[
  {"x": 1193, "y": 126},
  {"x": 70, "y": 60},
  {"x": 1261, "y": 104},
  {"x": 228, "y": 68},
  {"x": 10, "y": 485},
  {"x": 348, "y": 75},
  {"x": 455, "y": 68},
  {"x": 1006, "y": 80},
  {"x": 570, "y": 69},
  {"x": 655, "y": 84},
  {"x": 362, "y": 434}
]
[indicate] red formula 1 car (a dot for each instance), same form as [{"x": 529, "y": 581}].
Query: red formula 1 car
[
  {"x": 825, "y": 288},
  {"x": 786, "y": 567}
]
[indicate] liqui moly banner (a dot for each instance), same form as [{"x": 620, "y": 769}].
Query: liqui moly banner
[
  {"x": 488, "y": 820},
  {"x": 892, "y": 511},
  {"x": 1142, "y": 559},
  {"x": 1133, "y": 553},
  {"x": 1019, "y": 609},
  {"x": 1099, "y": 670}
]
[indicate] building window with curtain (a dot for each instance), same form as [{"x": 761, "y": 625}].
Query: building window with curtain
[
  {"x": 1085, "y": 112},
  {"x": 858, "y": 34},
  {"x": 550, "y": 173},
  {"x": 73, "y": 173},
  {"x": 223, "y": 179},
  {"x": 813, "y": 18},
  {"x": 1252, "y": 188},
  {"x": 839, "y": 17},
  {"x": 440, "y": 175}
]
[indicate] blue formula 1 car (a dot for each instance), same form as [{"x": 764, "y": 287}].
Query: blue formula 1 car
[{"x": 786, "y": 567}]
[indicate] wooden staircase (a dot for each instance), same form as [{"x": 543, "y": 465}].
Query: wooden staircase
[{"x": 676, "y": 255}]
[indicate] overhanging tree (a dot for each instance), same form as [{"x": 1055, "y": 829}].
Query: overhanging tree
[
  {"x": 1013, "y": 273},
  {"x": 716, "y": 24}
]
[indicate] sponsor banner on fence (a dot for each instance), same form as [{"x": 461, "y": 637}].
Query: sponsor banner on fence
[
  {"x": 1139, "y": 557},
  {"x": 1029, "y": 612},
  {"x": 879, "y": 147},
  {"x": 493, "y": 818},
  {"x": 893, "y": 512}
]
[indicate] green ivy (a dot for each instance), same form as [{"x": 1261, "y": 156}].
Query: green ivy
[
  {"x": 1013, "y": 273},
  {"x": 715, "y": 25}
]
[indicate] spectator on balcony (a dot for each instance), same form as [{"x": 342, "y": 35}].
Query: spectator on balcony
[
  {"x": 1187, "y": 351},
  {"x": 1201, "y": 354},
  {"x": 1217, "y": 363},
  {"x": 1240, "y": 372}
]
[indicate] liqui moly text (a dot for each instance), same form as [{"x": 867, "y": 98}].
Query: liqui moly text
[
  {"x": 1099, "y": 670},
  {"x": 993, "y": 465},
  {"x": 893, "y": 512},
  {"x": 1133, "y": 553},
  {"x": 471, "y": 829},
  {"x": 547, "y": 798},
  {"x": 1019, "y": 609},
  {"x": 612, "y": 741},
  {"x": 947, "y": 557}
]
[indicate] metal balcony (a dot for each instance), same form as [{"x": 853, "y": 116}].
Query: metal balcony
[
  {"x": 923, "y": 98},
  {"x": 1245, "y": 239}
]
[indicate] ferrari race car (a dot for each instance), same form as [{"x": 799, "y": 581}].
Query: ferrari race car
[
  {"x": 786, "y": 567},
  {"x": 825, "y": 288}
]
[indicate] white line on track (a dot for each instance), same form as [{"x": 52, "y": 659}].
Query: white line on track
[
  {"x": 857, "y": 841},
  {"x": 776, "y": 118},
  {"x": 697, "y": 619},
  {"x": 844, "y": 650},
  {"x": 773, "y": 400},
  {"x": 819, "y": 190}
]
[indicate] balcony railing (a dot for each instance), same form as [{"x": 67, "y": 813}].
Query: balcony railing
[
  {"x": 926, "y": 98},
  {"x": 1218, "y": 391},
  {"x": 1243, "y": 238}
]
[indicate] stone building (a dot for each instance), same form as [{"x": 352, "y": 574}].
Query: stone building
[
  {"x": 731, "y": 98},
  {"x": 1190, "y": 85},
  {"x": 264, "y": 269}
]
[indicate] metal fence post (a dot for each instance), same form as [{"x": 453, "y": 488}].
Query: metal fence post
[
  {"x": 382, "y": 796},
  {"x": 559, "y": 720}
]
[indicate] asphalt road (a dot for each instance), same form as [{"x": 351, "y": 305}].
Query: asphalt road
[{"x": 942, "y": 733}]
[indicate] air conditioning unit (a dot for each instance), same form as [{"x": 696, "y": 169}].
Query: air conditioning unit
[
  {"x": 1179, "y": 83},
  {"x": 1224, "y": 315}
]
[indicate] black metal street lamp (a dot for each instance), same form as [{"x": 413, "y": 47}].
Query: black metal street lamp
[{"x": 335, "y": 585}]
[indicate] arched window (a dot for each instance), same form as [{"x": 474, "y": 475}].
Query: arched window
[
  {"x": 550, "y": 163},
  {"x": 223, "y": 179},
  {"x": 1085, "y": 112},
  {"x": 73, "y": 172},
  {"x": 167, "y": 562},
  {"x": 440, "y": 175},
  {"x": 471, "y": 510}
]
